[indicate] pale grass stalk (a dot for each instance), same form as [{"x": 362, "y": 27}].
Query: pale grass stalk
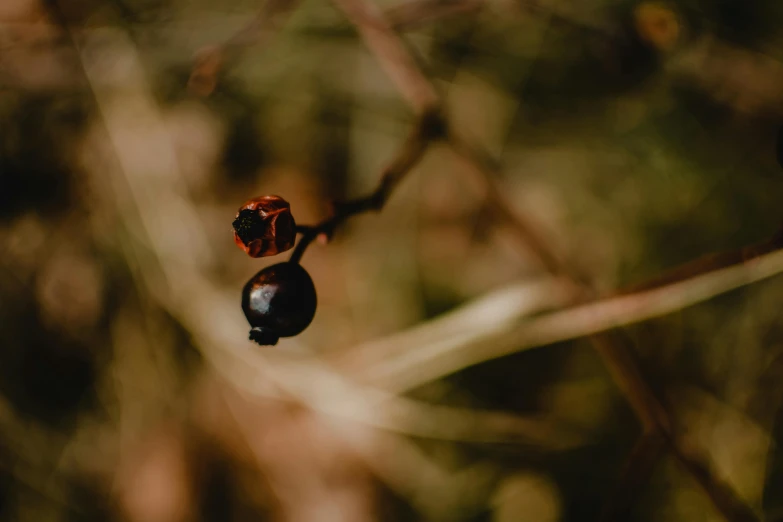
[{"x": 444, "y": 356}]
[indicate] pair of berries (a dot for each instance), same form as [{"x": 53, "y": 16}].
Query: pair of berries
[{"x": 279, "y": 301}]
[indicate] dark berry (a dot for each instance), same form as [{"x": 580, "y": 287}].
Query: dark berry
[
  {"x": 264, "y": 226},
  {"x": 279, "y": 301}
]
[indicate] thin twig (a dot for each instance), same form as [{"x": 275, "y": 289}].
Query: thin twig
[
  {"x": 428, "y": 128},
  {"x": 419, "y": 93}
]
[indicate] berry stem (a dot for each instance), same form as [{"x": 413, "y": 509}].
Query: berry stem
[{"x": 430, "y": 127}]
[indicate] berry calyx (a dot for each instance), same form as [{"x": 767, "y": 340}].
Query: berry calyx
[
  {"x": 279, "y": 301},
  {"x": 264, "y": 226}
]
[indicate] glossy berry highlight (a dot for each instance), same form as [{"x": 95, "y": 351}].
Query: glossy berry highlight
[
  {"x": 279, "y": 301},
  {"x": 264, "y": 226}
]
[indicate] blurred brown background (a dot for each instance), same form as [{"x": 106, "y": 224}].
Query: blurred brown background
[{"x": 635, "y": 135}]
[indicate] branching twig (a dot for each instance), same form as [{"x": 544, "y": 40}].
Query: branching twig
[
  {"x": 400, "y": 66},
  {"x": 419, "y": 93},
  {"x": 429, "y": 127}
]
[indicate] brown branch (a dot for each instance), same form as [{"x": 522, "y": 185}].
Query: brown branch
[
  {"x": 391, "y": 52},
  {"x": 400, "y": 66},
  {"x": 419, "y": 93},
  {"x": 428, "y": 128}
]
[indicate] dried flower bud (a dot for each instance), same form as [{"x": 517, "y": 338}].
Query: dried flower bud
[{"x": 264, "y": 226}]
